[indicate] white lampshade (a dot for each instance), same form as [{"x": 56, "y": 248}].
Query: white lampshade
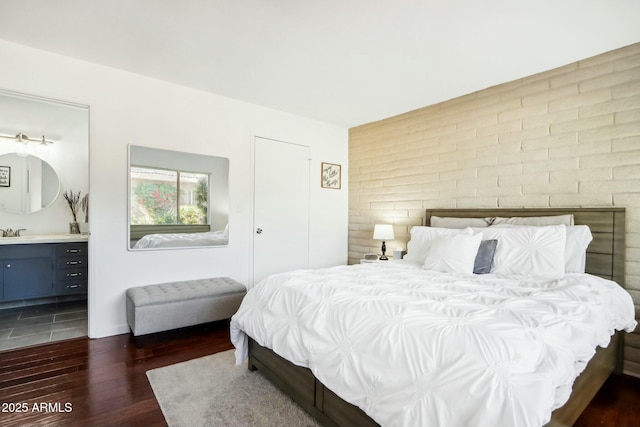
[{"x": 383, "y": 232}]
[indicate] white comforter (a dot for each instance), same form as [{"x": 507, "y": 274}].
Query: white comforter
[
  {"x": 176, "y": 240},
  {"x": 419, "y": 348}
]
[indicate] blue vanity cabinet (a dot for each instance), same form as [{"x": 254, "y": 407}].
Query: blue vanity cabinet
[
  {"x": 27, "y": 271},
  {"x": 40, "y": 270}
]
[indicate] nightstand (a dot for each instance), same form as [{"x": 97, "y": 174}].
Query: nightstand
[{"x": 364, "y": 261}]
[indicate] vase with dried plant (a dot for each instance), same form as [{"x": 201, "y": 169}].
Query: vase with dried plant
[{"x": 73, "y": 199}]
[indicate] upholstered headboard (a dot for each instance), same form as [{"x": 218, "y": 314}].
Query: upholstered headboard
[{"x": 605, "y": 254}]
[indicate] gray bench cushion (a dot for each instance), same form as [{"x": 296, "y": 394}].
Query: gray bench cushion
[
  {"x": 155, "y": 308},
  {"x": 185, "y": 290}
]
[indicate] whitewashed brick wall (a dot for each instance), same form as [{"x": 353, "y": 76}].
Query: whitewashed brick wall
[{"x": 568, "y": 137}]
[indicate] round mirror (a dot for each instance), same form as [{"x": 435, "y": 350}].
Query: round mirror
[{"x": 27, "y": 184}]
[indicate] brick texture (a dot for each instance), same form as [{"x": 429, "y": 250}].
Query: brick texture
[{"x": 568, "y": 137}]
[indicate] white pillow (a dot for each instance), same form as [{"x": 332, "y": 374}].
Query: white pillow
[
  {"x": 528, "y": 251},
  {"x": 535, "y": 220},
  {"x": 453, "y": 254},
  {"x": 422, "y": 238},
  {"x": 575, "y": 250},
  {"x": 454, "y": 222}
]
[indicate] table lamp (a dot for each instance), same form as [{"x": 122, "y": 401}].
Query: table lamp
[{"x": 383, "y": 232}]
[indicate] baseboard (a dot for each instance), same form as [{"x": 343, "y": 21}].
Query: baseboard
[{"x": 102, "y": 333}]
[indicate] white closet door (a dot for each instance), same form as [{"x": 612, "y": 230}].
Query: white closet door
[{"x": 281, "y": 207}]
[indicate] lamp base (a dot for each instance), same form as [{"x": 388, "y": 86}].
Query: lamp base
[{"x": 383, "y": 257}]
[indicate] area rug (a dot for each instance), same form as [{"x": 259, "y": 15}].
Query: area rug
[{"x": 213, "y": 391}]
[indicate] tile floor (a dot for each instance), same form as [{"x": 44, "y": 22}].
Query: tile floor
[{"x": 39, "y": 324}]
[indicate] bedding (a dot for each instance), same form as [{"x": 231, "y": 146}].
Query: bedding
[
  {"x": 540, "y": 251},
  {"x": 535, "y": 220},
  {"x": 575, "y": 252},
  {"x": 453, "y": 222},
  {"x": 528, "y": 251},
  {"x": 578, "y": 238},
  {"x": 464, "y": 222},
  {"x": 453, "y": 254},
  {"x": 173, "y": 240},
  {"x": 422, "y": 238},
  {"x": 417, "y": 347}
]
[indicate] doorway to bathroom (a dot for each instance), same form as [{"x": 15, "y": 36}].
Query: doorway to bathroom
[{"x": 44, "y": 211}]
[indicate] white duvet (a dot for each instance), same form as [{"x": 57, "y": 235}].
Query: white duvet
[
  {"x": 175, "y": 240},
  {"x": 418, "y": 348}
]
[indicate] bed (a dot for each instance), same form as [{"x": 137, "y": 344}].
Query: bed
[
  {"x": 440, "y": 377},
  {"x": 180, "y": 240}
]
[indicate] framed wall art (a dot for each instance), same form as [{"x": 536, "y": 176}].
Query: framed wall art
[
  {"x": 5, "y": 176},
  {"x": 331, "y": 176}
]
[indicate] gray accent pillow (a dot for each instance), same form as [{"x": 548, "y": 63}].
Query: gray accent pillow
[{"x": 484, "y": 257}]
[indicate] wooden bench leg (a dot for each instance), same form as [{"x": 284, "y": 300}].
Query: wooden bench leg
[{"x": 139, "y": 340}]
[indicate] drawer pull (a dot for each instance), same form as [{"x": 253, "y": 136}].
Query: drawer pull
[
  {"x": 73, "y": 286},
  {"x": 74, "y": 262},
  {"x": 74, "y": 274},
  {"x": 8, "y": 265},
  {"x": 74, "y": 251}
]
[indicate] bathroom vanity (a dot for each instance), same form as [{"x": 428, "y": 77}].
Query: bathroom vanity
[{"x": 43, "y": 266}]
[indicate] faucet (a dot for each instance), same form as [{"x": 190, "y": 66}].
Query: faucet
[{"x": 10, "y": 233}]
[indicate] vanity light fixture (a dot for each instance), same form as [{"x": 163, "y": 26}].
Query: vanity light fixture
[
  {"x": 21, "y": 137},
  {"x": 383, "y": 232}
]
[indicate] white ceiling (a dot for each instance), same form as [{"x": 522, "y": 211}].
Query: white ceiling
[{"x": 346, "y": 62}]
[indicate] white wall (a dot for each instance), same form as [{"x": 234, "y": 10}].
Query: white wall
[{"x": 131, "y": 109}]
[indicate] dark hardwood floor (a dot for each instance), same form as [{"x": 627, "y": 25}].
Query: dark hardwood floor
[
  {"x": 103, "y": 382},
  {"x": 617, "y": 404}
]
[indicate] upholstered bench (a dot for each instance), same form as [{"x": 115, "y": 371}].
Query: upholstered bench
[{"x": 173, "y": 305}]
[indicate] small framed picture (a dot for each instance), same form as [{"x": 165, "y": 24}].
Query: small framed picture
[
  {"x": 331, "y": 175},
  {"x": 5, "y": 176}
]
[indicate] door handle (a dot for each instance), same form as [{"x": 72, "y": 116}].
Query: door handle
[{"x": 259, "y": 230}]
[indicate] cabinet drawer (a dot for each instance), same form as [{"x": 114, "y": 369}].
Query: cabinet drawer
[
  {"x": 71, "y": 262},
  {"x": 72, "y": 274},
  {"x": 71, "y": 286},
  {"x": 71, "y": 249}
]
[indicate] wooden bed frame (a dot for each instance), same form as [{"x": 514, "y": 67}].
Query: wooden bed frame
[{"x": 605, "y": 258}]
